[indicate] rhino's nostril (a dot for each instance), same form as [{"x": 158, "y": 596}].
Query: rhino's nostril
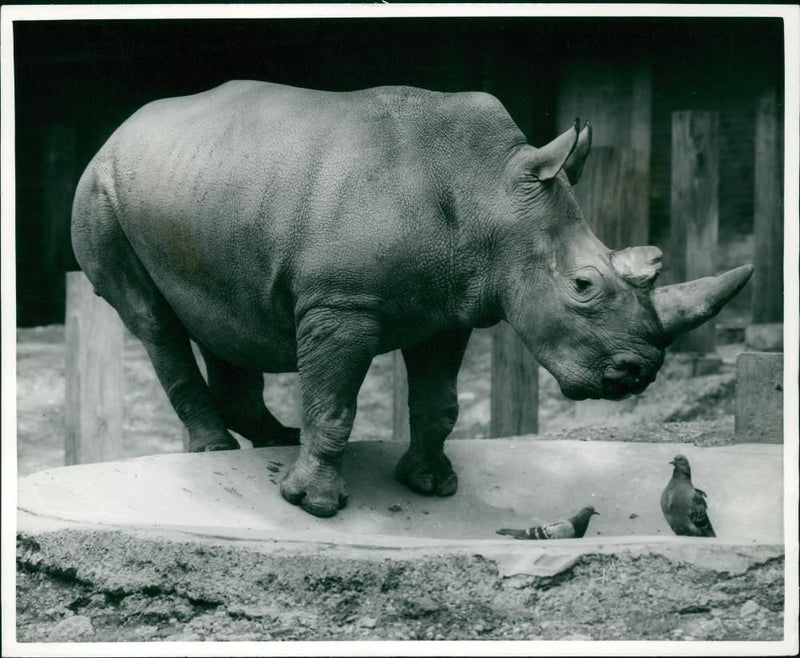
[
  {"x": 626, "y": 373},
  {"x": 632, "y": 368}
]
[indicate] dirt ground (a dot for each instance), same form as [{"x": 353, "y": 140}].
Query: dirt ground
[
  {"x": 186, "y": 592},
  {"x": 153, "y": 590}
]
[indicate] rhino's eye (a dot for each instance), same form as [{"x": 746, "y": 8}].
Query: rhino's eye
[
  {"x": 582, "y": 284},
  {"x": 585, "y": 285}
]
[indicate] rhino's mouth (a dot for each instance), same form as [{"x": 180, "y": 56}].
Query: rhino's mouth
[
  {"x": 624, "y": 379},
  {"x": 615, "y": 384}
]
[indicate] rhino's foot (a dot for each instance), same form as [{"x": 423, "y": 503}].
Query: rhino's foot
[
  {"x": 212, "y": 443},
  {"x": 315, "y": 485},
  {"x": 427, "y": 475}
]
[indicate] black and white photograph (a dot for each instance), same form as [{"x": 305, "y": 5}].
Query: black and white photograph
[{"x": 399, "y": 329}]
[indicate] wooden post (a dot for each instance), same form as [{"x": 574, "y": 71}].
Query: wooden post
[
  {"x": 612, "y": 194},
  {"x": 767, "y": 285},
  {"x": 515, "y": 372},
  {"x": 94, "y": 348},
  {"x": 515, "y": 385},
  {"x": 400, "y": 423},
  {"x": 615, "y": 96},
  {"x": 694, "y": 209}
]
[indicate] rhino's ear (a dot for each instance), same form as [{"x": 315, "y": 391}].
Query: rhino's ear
[
  {"x": 574, "y": 164},
  {"x": 639, "y": 266},
  {"x": 548, "y": 160}
]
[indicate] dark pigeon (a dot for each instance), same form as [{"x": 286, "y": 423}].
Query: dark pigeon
[
  {"x": 571, "y": 528},
  {"x": 684, "y": 505}
]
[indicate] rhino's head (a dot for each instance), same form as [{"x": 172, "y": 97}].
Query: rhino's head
[{"x": 592, "y": 316}]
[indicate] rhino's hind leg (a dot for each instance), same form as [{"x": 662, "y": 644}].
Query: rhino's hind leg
[
  {"x": 334, "y": 350},
  {"x": 111, "y": 264},
  {"x": 433, "y": 409},
  {"x": 239, "y": 396}
]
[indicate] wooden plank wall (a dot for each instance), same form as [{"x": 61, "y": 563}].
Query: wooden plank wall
[
  {"x": 694, "y": 209},
  {"x": 767, "y": 284}
]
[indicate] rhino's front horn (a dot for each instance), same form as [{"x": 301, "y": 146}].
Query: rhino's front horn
[{"x": 684, "y": 306}]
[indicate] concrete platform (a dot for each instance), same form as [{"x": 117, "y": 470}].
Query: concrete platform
[{"x": 503, "y": 483}]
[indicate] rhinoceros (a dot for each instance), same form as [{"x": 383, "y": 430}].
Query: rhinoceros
[{"x": 286, "y": 229}]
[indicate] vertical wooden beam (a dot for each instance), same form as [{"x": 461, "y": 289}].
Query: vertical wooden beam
[
  {"x": 400, "y": 423},
  {"x": 94, "y": 349},
  {"x": 614, "y": 95},
  {"x": 767, "y": 286},
  {"x": 515, "y": 372},
  {"x": 616, "y": 98},
  {"x": 694, "y": 209},
  {"x": 515, "y": 385},
  {"x": 610, "y": 194},
  {"x": 598, "y": 193}
]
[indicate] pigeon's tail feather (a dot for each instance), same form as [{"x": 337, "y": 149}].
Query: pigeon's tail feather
[
  {"x": 511, "y": 532},
  {"x": 699, "y": 514},
  {"x": 539, "y": 532}
]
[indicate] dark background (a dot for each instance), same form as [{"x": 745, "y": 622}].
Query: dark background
[{"x": 76, "y": 81}]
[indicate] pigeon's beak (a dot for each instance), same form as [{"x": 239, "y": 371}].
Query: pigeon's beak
[
  {"x": 597, "y": 513},
  {"x": 672, "y": 462}
]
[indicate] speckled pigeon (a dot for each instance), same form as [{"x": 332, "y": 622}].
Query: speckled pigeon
[
  {"x": 684, "y": 506},
  {"x": 573, "y": 527}
]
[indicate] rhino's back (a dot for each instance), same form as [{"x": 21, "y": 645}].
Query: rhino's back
[{"x": 264, "y": 200}]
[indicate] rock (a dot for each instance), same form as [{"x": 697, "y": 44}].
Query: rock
[
  {"x": 72, "y": 628},
  {"x": 423, "y": 605},
  {"x": 748, "y": 608},
  {"x": 252, "y": 611},
  {"x": 246, "y": 637},
  {"x": 368, "y": 622},
  {"x": 143, "y": 633},
  {"x": 182, "y": 637},
  {"x": 578, "y": 637}
]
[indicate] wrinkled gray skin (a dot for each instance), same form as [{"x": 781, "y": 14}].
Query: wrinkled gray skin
[{"x": 287, "y": 229}]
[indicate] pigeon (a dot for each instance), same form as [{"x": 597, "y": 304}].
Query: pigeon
[
  {"x": 684, "y": 505},
  {"x": 573, "y": 527}
]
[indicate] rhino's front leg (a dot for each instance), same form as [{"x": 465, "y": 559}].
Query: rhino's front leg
[
  {"x": 433, "y": 409},
  {"x": 334, "y": 350}
]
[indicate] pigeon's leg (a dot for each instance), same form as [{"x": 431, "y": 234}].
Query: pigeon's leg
[
  {"x": 238, "y": 394},
  {"x": 334, "y": 351},
  {"x": 433, "y": 409}
]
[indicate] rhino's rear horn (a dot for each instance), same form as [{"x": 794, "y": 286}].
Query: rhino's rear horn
[
  {"x": 548, "y": 160},
  {"x": 639, "y": 266},
  {"x": 684, "y": 306},
  {"x": 574, "y": 164}
]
